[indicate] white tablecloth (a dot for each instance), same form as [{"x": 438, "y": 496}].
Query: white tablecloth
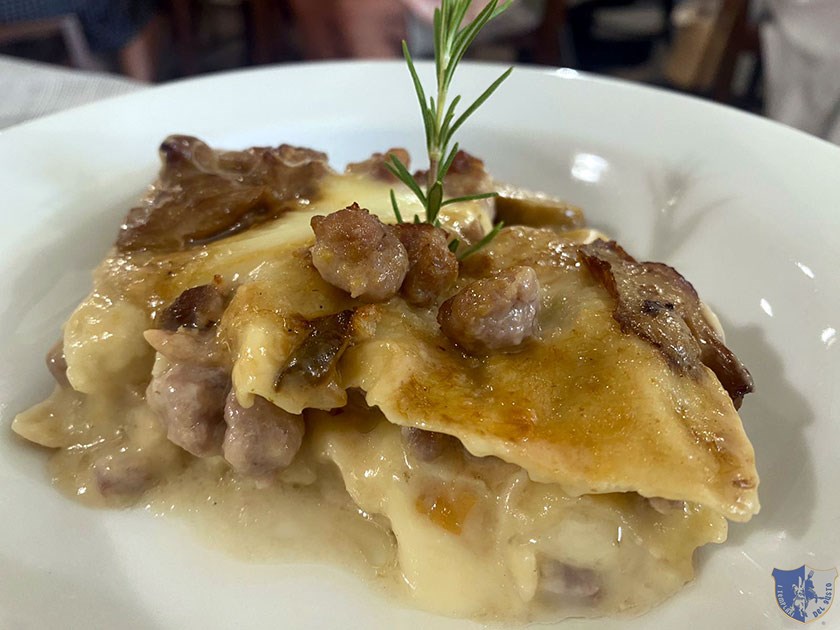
[{"x": 29, "y": 90}]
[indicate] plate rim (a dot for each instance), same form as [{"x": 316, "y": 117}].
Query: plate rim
[{"x": 551, "y": 72}]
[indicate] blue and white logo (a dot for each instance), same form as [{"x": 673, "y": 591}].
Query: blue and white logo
[{"x": 804, "y": 594}]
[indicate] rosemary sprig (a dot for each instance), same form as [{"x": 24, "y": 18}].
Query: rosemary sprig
[{"x": 440, "y": 119}]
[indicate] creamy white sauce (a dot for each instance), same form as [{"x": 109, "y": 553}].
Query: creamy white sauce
[{"x": 461, "y": 536}]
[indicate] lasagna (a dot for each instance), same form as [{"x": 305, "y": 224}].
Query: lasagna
[{"x": 545, "y": 428}]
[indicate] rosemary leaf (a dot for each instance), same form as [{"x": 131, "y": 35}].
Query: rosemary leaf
[
  {"x": 418, "y": 88},
  {"x": 447, "y": 163},
  {"x": 447, "y": 120},
  {"x": 400, "y": 171},
  {"x": 435, "y": 197},
  {"x": 484, "y": 241},
  {"x": 396, "y": 207},
  {"x": 480, "y": 100},
  {"x": 470, "y": 198}
]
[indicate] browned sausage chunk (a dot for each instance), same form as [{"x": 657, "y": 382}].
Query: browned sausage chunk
[
  {"x": 375, "y": 167},
  {"x": 493, "y": 313},
  {"x": 190, "y": 401},
  {"x": 199, "y": 308},
  {"x": 356, "y": 252},
  {"x": 432, "y": 267},
  {"x": 466, "y": 176},
  {"x": 262, "y": 438}
]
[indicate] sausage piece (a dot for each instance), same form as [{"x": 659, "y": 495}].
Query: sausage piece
[
  {"x": 494, "y": 313},
  {"x": 466, "y": 176},
  {"x": 129, "y": 474},
  {"x": 189, "y": 399},
  {"x": 375, "y": 165},
  {"x": 356, "y": 252},
  {"x": 198, "y": 308},
  {"x": 260, "y": 439},
  {"x": 432, "y": 267}
]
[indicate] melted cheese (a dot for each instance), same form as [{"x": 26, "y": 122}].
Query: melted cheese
[
  {"x": 501, "y": 530},
  {"x": 586, "y": 406}
]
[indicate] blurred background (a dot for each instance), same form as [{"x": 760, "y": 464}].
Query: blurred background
[{"x": 779, "y": 58}]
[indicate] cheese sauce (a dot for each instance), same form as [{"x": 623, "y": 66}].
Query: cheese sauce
[{"x": 461, "y": 536}]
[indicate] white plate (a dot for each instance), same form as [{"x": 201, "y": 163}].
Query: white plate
[{"x": 748, "y": 210}]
